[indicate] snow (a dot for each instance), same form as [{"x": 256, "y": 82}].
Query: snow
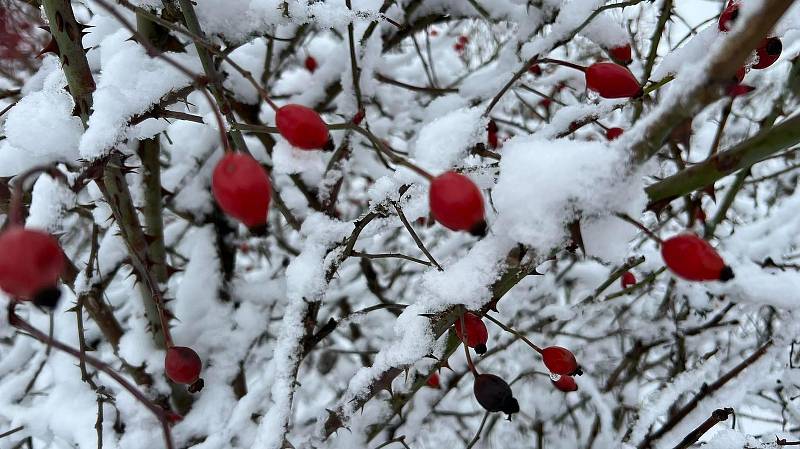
[
  {"x": 569, "y": 179},
  {"x": 131, "y": 83},
  {"x": 445, "y": 141},
  {"x": 241, "y": 297},
  {"x": 42, "y": 125}
]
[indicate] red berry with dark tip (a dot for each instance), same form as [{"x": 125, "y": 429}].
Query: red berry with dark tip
[
  {"x": 628, "y": 279},
  {"x": 560, "y": 361},
  {"x": 612, "y": 80},
  {"x": 457, "y": 203},
  {"x": 242, "y": 189},
  {"x": 694, "y": 259},
  {"x": 494, "y": 394},
  {"x": 728, "y": 16},
  {"x": 491, "y": 129},
  {"x": 302, "y": 127},
  {"x": 31, "y": 262},
  {"x": 463, "y": 39},
  {"x": 768, "y": 52},
  {"x": 433, "y": 381},
  {"x": 311, "y": 64},
  {"x": 535, "y": 70},
  {"x": 182, "y": 365},
  {"x": 622, "y": 54},
  {"x": 565, "y": 384},
  {"x": 545, "y": 103},
  {"x": 476, "y": 334},
  {"x": 613, "y": 133}
]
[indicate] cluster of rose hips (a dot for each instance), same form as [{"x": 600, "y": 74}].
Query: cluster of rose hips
[
  {"x": 492, "y": 392},
  {"x": 767, "y": 52}
]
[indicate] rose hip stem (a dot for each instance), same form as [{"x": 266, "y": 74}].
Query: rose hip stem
[
  {"x": 641, "y": 227},
  {"x": 517, "y": 333},
  {"x": 471, "y": 365},
  {"x": 562, "y": 63}
]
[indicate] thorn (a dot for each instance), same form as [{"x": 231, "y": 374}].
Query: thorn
[
  {"x": 51, "y": 47},
  {"x": 445, "y": 364}
]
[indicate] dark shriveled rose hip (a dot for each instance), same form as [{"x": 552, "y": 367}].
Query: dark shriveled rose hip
[{"x": 494, "y": 394}]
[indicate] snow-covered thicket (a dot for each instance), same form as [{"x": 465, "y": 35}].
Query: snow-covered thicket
[{"x": 323, "y": 328}]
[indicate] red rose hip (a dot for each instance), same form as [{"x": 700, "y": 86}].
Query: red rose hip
[
  {"x": 621, "y": 54},
  {"x": 612, "y": 80},
  {"x": 560, "y": 361},
  {"x": 433, "y": 381},
  {"x": 182, "y": 365},
  {"x": 311, "y": 64},
  {"x": 768, "y": 52},
  {"x": 694, "y": 259},
  {"x": 492, "y": 134},
  {"x": 565, "y": 383},
  {"x": 729, "y": 16},
  {"x": 614, "y": 133},
  {"x": 242, "y": 188},
  {"x": 476, "y": 334},
  {"x": 457, "y": 203},
  {"x": 302, "y": 127},
  {"x": 628, "y": 279},
  {"x": 31, "y": 262}
]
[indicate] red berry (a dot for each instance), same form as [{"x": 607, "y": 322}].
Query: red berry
[
  {"x": 622, "y": 54},
  {"x": 172, "y": 417},
  {"x": 494, "y": 394},
  {"x": 612, "y": 80},
  {"x": 628, "y": 279},
  {"x": 737, "y": 90},
  {"x": 434, "y": 32},
  {"x": 729, "y": 16},
  {"x": 30, "y": 262},
  {"x": 182, "y": 365},
  {"x": 768, "y": 52},
  {"x": 459, "y": 47},
  {"x": 535, "y": 70},
  {"x": 241, "y": 188},
  {"x": 546, "y": 102},
  {"x": 359, "y": 117},
  {"x": 302, "y": 127},
  {"x": 740, "y": 74},
  {"x": 463, "y": 39},
  {"x": 433, "y": 381},
  {"x": 457, "y": 203},
  {"x": 492, "y": 132},
  {"x": 613, "y": 133},
  {"x": 476, "y": 335},
  {"x": 560, "y": 361},
  {"x": 699, "y": 214},
  {"x": 694, "y": 259},
  {"x": 565, "y": 383},
  {"x": 311, "y": 64}
]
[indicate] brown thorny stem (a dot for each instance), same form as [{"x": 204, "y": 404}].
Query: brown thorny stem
[{"x": 26, "y": 327}]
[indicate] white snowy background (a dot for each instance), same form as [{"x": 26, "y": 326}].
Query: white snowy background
[{"x": 644, "y": 352}]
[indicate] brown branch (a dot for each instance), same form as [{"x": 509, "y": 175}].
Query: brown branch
[{"x": 705, "y": 391}]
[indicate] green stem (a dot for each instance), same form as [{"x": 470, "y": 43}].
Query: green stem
[{"x": 747, "y": 153}]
